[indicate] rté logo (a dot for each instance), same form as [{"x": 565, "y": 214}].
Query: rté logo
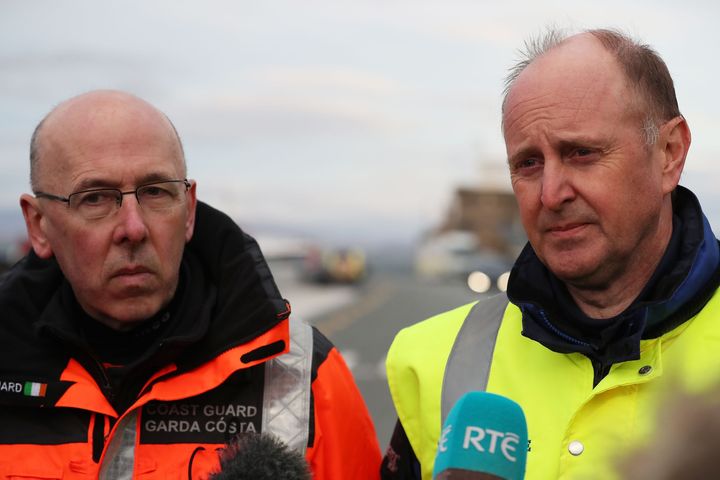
[{"x": 484, "y": 440}]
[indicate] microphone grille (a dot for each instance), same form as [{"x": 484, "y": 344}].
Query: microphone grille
[{"x": 261, "y": 457}]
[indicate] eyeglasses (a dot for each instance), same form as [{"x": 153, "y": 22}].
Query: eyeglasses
[{"x": 100, "y": 202}]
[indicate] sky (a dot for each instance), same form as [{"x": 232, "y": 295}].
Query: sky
[{"x": 348, "y": 121}]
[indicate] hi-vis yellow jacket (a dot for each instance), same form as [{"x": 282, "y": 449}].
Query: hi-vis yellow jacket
[{"x": 576, "y": 431}]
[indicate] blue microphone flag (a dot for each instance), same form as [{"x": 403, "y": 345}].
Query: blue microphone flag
[{"x": 484, "y": 433}]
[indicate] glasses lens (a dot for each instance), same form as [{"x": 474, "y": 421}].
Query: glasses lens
[
  {"x": 161, "y": 196},
  {"x": 95, "y": 203}
]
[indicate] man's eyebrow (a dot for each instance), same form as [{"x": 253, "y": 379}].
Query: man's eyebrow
[
  {"x": 94, "y": 182},
  {"x": 156, "y": 177},
  {"x": 564, "y": 144},
  {"x": 98, "y": 182},
  {"x": 581, "y": 141},
  {"x": 522, "y": 153}
]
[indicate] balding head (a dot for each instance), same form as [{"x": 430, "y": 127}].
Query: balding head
[
  {"x": 79, "y": 116},
  {"x": 644, "y": 71}
]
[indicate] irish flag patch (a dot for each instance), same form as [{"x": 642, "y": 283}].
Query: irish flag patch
[{"x": 34, "y": 389}]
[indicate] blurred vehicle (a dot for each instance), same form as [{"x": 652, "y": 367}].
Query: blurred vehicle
[
  {"x": 335, "y": 265},
  {"x": 456, "y": 255},
  {"x": 285, "y": 255}
]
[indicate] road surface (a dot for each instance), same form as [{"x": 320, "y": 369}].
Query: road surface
[{"x": 362, "y": 321}]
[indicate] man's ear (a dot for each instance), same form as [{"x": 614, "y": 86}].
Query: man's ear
[
  {"x": 191, "y": 207},
  {"x": 674, "y": 144},
  {"x": 34, "y": 222}
]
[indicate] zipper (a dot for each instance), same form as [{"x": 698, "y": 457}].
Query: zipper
[
  {"x": 97, "y": 370},
  {"x": 98, "y": 436},
  {"x": 600, "y": 371}
]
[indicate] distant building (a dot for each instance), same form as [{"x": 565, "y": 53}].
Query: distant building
[
  {"x": 478, "y": 240},
  {"x": 491, "y": 214}
]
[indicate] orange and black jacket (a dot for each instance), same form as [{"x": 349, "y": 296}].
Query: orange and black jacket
[{"x": 197, "y": 383}]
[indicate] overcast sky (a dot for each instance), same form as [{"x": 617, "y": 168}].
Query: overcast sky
[{"x": 351, "y": 119}]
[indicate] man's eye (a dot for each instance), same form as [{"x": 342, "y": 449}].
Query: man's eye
[
  {"x": 97, "y": 198},
  {"x": 583, "y": 153},
  {"x": 526, "y": 163},
  {"x": 155, "y": 192}
]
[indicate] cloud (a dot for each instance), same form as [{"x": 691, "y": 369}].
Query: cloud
[
  {"x": 275, "y": 101},
  {"x": 333, "y": 78}
]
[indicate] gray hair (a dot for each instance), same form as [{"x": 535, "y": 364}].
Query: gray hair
[
  {"x": 35, "y": 155},
  {"x": 644, "y": 69}
]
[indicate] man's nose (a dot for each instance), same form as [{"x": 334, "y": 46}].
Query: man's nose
[
  {"x": 132, "y": 225},
  {"x": 557, "y": 184}
]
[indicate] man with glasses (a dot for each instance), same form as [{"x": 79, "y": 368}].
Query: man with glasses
[{"x": 144, "y": 331}]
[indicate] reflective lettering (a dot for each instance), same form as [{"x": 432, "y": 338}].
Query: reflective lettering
[
  {"x": 14, "y": 387},
  {"x": 232, "y": 428},
  {"x": 174, "y": 426},
  {"x": 165, "y": 409},
  {"x": 229, "y": 410}
]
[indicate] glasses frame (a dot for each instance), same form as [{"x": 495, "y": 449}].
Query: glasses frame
[{"x": 66, "y": 200}]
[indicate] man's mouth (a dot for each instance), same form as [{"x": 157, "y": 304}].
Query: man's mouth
[
  {"x": 130, "y": 271},
  {"x": 566, "y": 227}
]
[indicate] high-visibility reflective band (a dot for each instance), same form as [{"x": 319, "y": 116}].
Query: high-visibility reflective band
[
  {"x": 472, "y": 352},
  {"x": 120, "y": 454},
  {"x": 286, "y": 397}
]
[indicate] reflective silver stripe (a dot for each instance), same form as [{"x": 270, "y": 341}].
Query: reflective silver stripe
[
  {"x": 286, "y": 399},
  {"x": 468, "y": 365},
  {"x": 120, "y": 454}
]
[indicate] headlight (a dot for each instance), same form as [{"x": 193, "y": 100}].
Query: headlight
[
  {"x": 502, "y": 281},
  {"x": 479, "y": 282}
]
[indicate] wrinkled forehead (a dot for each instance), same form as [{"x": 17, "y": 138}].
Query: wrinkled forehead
[
  {"x": 579, "y": 67},
  {"x": 580, "y": 61}
]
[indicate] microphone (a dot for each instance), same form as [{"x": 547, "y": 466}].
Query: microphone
[
  {"x": 261, "y": 457},
  {"x": 484, "y": 438}
]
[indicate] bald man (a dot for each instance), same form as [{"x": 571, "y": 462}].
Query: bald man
[
  {"x": 144, "y": 331},
  {"x": 615, "y": 287}
]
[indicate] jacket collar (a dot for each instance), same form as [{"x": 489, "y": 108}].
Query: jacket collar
[
  {"x": 686, "y": 278},
  {"x": 248, "y": 302}
]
